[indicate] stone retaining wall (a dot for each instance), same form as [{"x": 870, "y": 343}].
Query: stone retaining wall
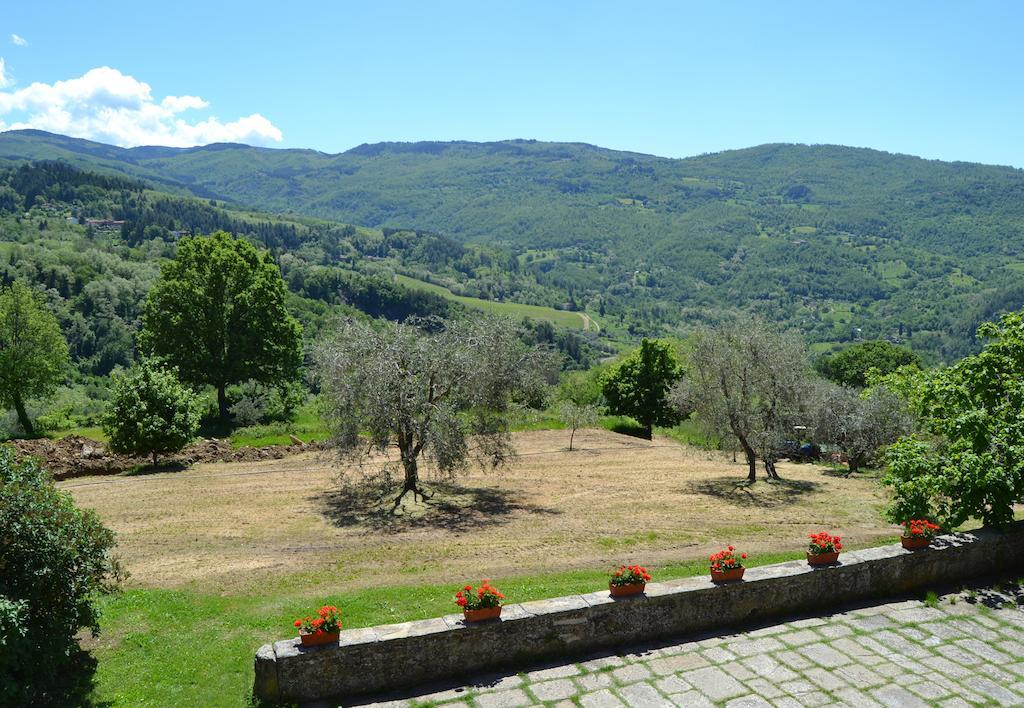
[{"x": 403, "y": 655}]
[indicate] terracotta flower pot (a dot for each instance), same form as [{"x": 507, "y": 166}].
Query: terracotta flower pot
[
  {"x": 318, "y": 638},
  {"x": 486, "y": 613},
  {"x": 626, "y": 590},
  {"x": 914, "y": 542},
  {"x": 823, "y": 558},
  {"x": 725, "y": 576}
]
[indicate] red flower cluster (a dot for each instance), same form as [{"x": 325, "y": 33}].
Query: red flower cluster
[
  {"x": 630, "y": 575},
  {"x": 823, "y": 542},
  {"x": 328, "y": 620},
  {"x": 487, "y": 595},
  {"x": 727, "y": 560},
  {"x": 919, "y": 528}
]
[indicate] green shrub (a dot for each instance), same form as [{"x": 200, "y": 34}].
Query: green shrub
[
  {"x": 152, "y": 412},
  {"x": 54, "y": 563}
]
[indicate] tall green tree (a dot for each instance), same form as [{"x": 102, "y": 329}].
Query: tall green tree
[
  {"x": 639, "y": 385},
  {"x": 151, "y": 412},
  {"x": 33, "y": 353},
  {"x": 218, "y": 314},
  {"x": 971, "y": 463}
]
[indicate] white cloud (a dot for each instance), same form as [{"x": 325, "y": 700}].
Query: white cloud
[
  {"x": 105, "y": 105},
  {"x": 18, "y": 40}
]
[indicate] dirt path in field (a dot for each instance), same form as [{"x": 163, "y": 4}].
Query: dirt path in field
[{"x": 229, "y": 526}]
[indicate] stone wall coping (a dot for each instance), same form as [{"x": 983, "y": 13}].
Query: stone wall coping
[{"x": 373, "y": 659}]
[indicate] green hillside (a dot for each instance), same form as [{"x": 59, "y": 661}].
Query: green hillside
[{"x": 838, "y": 242}]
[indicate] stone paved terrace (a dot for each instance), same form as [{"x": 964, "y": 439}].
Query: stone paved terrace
[{"x": 960, "y": 649}]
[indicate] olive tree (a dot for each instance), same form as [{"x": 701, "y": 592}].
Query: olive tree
[
  {"x": 859, "y": 423},
  {"x": 439, "y": 391},
  {"x": 33, "y": 352},
  {"x": 575, "y": 416},
  {"x": 748, "y": 380}
]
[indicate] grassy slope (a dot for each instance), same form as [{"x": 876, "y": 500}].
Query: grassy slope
[{"x": 561, "y": 318}]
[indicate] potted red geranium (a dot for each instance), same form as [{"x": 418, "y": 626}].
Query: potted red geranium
[
  {"x": 726, "y": 565},
  {"x": 480, "y": 604},
  {"x": 628, "y": 580},
  {"x": 325, "y": 628},
  {"x": 918, "y": 533},
  {"x": 823, "y": 548}
]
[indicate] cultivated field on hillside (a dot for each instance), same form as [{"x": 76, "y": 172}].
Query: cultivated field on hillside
[{"x": 233, "y": 527}]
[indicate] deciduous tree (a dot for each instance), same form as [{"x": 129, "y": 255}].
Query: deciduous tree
[
  {"x": 33, "y": 353},
  {"x": 639, "y": 385},
  {"x": 218, "y": 314},
  {"x": 851, "y": 366}
]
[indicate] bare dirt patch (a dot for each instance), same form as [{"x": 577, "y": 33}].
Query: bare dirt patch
[{"x": 229, "y": 526}]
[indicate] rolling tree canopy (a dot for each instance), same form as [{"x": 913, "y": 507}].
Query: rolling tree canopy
[
  {"x": 440, "y": 393},
  {"x": 637, "y": 387},
  {"x": 850, "y": 367},
  {"x": 218, "y": 315},
  {"x": 33, "y": 353}
]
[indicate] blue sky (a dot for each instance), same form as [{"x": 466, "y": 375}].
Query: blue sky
[{"x": 937, "y": 79}]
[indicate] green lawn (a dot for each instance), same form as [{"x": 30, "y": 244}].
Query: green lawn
[
  {"x": 180, "y": 647},
  {"x": 563, "y": 318}
]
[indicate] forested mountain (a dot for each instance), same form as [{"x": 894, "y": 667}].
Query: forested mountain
[{"x": 838, "y": 242}]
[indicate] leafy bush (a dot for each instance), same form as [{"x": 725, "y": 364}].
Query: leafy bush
[
  {"x": 152, "y": 412},
  {"x": 975, "y": 466},
  {"x": 254, "y": 403},
  {"x": 54, "y": 562}
]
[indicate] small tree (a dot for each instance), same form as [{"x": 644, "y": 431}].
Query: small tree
[
  {"x": 974, "y": 464},
  {"x": 55, "y": 561},
  {"x": 33, "y": 353},
  {"x": 851, "y": 366},
  {"x": 639, "y": 385},
  {"x": 748, "y": 380},
  {"x": 152, "y": 413},
  {"x": 440, "y": 392},
  {"x": 859, "y": 424},
  {"x": 576, "y": 416},
  {"x": 218, "y": 312}
]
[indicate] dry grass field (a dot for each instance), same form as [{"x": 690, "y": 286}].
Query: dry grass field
[{"x": 234, "y": 527}]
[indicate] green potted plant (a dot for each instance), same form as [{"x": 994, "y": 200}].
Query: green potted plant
[
  {"x": 918, "y": 533},
  {"x": 628, "y": 580},
  {"x": 325, "y": 628},
  {"x": 823, "y": 548},
  {"x": 480, "y": 604},
  {"x": 727, "y": 566}
]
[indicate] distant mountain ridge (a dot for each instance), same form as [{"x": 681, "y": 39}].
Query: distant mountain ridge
[{"x": 840, "y": 242}]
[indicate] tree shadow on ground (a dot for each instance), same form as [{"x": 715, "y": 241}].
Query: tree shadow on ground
[
  {"x": 158, "y": 468},
  {"x": 75, "y": 687},
  {"x": 1000, "y": 596},
  {"x": 765, "y": 493},
  {"x": 449, "y": 507}
]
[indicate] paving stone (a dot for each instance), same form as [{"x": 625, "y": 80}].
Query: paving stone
[
  {"x": 899, "y": 645},
  {"x": 553, "y": 672},
  {"x": 860, "y": 676},
  {"x": 768, "y": 631},
  {"x": 797, "y": 686},
  {"x": 974, "y": 630},
  {"x": 959, "y": 655},
  {"x": 674, "y": 664},
  {"x": 929, "y": 690},
  {"x": 993, "y": 691},
  {"x": 763, "y": 688},
  {"x": 718, "y": 655},
  {"x": 592, "y": 682},
  {"x": 979, "y": 648},
  {"x": 503, "y": 699},
  {"x": 553, "y": 690},
  {"x": 643, "y": 695},
  {"x": 738, "y": 671},
  {"x": 765, "y": 665},
  {"x": 1010, "y": 646},
  {"x": 602, "y": 662},
  {"x": 786, "y": 702},
  {"x": 869, "y": 624},
  {"x": 497, "y": 683},
  {"x": 752, "y": 701},
  {"x": 854, "y": 698},
  {"x": 915, "y": 615},
  {"x": 943, "y": 630},
  {"x": 828, "y": 680},
  {"x": 631, "y": 673},
  {"x": 672, "y": 684},
  {"x": 955, "y": 703},
  {"x": 834, "y": 631},
  {"x": 853, "y": 646},
  {"x": 897, "y": 697},
  {"x": 714, "y": 683},
  {"x": 793, "y": 660},
  {"x": 946, "y": 667},
  {"x": 749, "y": 647},
  {"x": 814, "y": 698},
  {"x": 801, "y": 637},
  {"x": 692, "y": 699},
  {"x": 600, "y": 699},
  {"x": 824, "y": 655}
]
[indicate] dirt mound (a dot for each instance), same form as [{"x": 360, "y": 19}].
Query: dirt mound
[{"x": 77, "y": 456}]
